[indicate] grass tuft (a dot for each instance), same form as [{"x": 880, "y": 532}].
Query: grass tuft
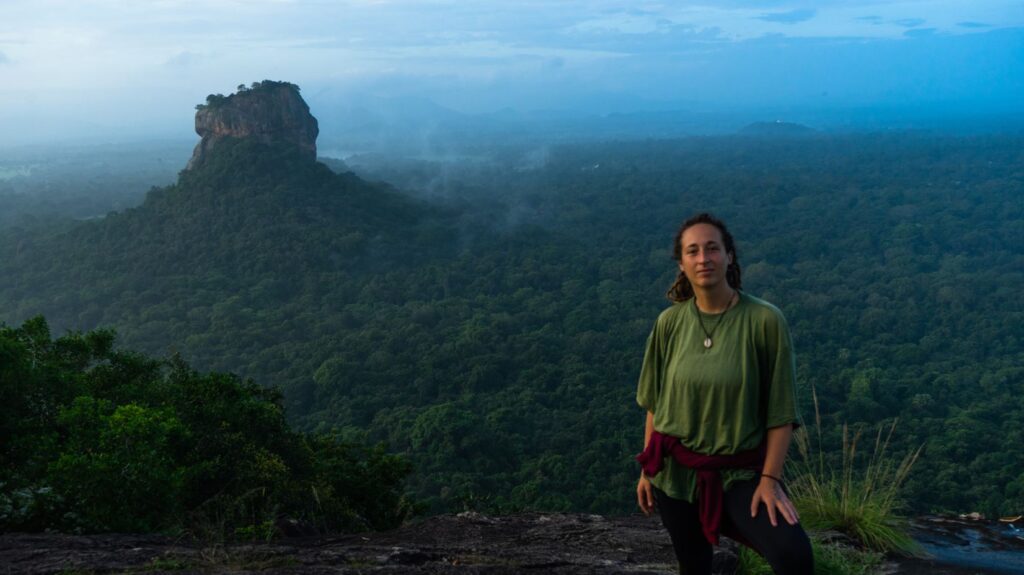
[{"x": 861, "y": 499}]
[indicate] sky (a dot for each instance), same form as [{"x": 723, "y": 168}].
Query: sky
[{"x": 138, "y": 67}]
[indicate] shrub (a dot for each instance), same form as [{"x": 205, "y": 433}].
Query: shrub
[
  {"x": 861, "y": 498},
  {"x": 103, "y": 440}
]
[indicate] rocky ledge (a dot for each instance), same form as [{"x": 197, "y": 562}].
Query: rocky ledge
[{"x": 467, "y": 543}]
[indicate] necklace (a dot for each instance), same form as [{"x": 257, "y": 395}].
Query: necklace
[{"x": 707, "y": 334}]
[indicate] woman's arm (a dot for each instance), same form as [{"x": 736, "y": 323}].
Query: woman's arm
[
  {"x": 778, "y": 446},
  {"x": 648, "y": 428},
  {"x": 769, "y": 491},
  {"x": 644, "y": 493}
]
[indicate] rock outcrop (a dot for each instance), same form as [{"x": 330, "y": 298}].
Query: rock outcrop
[
  {"x": 269, "y": 112},
  {"x": 469, "y": 543},
  {"x": 474, "y": 544}
]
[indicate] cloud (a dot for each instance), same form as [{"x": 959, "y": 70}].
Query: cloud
[
  {"x": 920, "y": 32},
  {"x": 791, "y": 17},
  {"x": 183, "y": 59},
  {"x": 666, "y": 49},
  {"x": 621, "y": 24},
  {"x": 909, "y": 22}
]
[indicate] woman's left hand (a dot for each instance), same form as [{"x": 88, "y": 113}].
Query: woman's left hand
[{"x": 774, "y": 498}]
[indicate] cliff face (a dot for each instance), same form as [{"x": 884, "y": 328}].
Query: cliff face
[{"x": 269, "y": 112}]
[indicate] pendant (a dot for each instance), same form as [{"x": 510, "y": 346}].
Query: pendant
[{"x": 707, "y": 342}]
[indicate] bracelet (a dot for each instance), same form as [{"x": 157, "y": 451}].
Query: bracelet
[{"x": 777, "y": 479}]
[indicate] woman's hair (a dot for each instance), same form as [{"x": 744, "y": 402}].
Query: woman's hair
[{"x": 681, "y": 290}]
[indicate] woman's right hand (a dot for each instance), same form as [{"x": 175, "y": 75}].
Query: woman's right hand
[{"x": 645, "y": 495}]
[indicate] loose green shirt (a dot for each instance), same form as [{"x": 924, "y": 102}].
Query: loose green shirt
[{"x": 717, "y": 400}]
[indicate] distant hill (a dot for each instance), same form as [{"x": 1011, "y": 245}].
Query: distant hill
[
  {"x": 255, "y": 225},
  {"x": 776, "y": 128}
]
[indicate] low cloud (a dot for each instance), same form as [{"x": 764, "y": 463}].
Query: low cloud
[
  {"x": 183, "y": 60},
  {"x": 791, "y": 17},
  {"x": 909, "y": 22},
  {"x": 973, "y": 25},
  {"x": 920, "y": 32},
  {"x": 4, "y": 59},
  {"x": 623, "y": 23}
]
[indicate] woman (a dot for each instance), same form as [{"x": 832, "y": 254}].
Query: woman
[{"x": 718, "y": 385}]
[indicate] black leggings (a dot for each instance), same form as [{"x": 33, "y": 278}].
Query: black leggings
[{"x": 785, "y": 546}]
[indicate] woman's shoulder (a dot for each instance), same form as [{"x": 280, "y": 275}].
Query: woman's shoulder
[
  {"x": 673, "y": 313},
  {"x": 761, "y": 309},
  {"x": 671, "y": 316}
]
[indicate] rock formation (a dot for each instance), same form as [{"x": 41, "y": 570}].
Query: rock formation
[
  {"x": 474, "y": 544},
  {"x": 469, "y": 543},
  {"x": 268, "y": 111}
]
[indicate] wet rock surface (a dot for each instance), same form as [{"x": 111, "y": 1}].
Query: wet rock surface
[
  {"x": 968, "y": 546},
  {"x": 467, "y": 543}
]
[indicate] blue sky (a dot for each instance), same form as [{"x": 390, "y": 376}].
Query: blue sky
[{"x": 142, "y": 65}]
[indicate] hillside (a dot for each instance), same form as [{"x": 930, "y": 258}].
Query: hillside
[{"x": 777, "y": 128}]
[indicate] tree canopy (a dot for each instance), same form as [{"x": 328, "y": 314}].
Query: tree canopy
[
  {"x": 493, "y": 332},
  {"x": 96, "y": 439}
]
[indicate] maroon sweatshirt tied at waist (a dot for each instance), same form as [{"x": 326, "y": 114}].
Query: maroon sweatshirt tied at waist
[{"x": 709, "y": 480}]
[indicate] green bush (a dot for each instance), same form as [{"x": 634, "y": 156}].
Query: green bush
[
  {"x": 103, "y": 440},
  {"x": 116, "y": 469}
]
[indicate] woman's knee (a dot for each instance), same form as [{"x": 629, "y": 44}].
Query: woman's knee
[{"x": 786, "y": 547}]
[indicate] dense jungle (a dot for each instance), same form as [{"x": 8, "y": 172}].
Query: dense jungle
[{"x": 481, "y": 318}]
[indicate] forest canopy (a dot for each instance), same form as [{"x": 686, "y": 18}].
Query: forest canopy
[{"x": 505, "y": 303}]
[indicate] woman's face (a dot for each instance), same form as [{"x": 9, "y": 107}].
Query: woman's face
[{"x": 704, "y": 258}]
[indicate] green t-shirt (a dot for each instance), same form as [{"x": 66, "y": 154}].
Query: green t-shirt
[{"x": 717, "y": 400}]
